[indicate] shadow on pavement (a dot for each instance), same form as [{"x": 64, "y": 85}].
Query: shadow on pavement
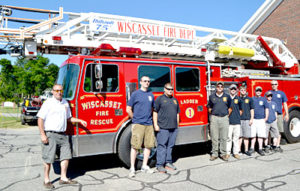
[{"x": 79, "y": 166}]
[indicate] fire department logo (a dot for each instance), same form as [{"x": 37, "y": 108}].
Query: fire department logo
[
  {"x": 150, "y": 98},
  {"x": 236, "y": 101},
  {"x": 189, "y": 112},
  {"x": 175, "y": 102},
  {"x": 225, "y": 99},
  {"x": 246, "y": 100},
  {"x": 278, "y": 95},
  {"x": 261, "y": 103},
  {"x": 273, "y": 106}
]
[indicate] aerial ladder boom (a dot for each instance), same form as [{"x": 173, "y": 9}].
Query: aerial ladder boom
[{"x": 71, "y": 33}]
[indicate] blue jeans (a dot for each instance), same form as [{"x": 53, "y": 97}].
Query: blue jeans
[{"x": 165, "y": 142}]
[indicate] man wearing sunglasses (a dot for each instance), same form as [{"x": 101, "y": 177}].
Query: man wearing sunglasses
[
  {"x": 219, "y": 108},
  {"x": 261, "y": 114},
  {"x": 139, "y": 108},
  {"x": 280, "y": 99},
  {"x": 52, "y": 123},
  {"x": 166, "y": 121}
]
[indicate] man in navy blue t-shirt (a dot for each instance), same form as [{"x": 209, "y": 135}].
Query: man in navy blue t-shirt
[
  {"x": 166, "y": 121},
  {"x": 280, "y": 99},
  {"x": 261, "y": 114},
  {"x": 219, "y": 108},
  {"x": 139, "y": 109},
  {"x": 234, "y": 123}
]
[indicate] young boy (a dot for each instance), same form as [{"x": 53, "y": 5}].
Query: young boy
[{"x": 271, "y": 123}]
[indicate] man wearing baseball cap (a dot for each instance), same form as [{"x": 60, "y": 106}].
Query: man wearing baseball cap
[
  {"x": 261, "y": 114},
  {"x": 219, "y": 106},
  {"x": 234, "y": 123}
]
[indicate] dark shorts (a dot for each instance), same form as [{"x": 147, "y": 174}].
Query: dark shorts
[{"x": 56, "y": 141}]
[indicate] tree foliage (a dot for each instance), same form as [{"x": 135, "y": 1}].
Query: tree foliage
[{"x": 26, "y": 77}]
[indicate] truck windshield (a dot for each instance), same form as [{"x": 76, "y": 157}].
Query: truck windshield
[{"x": 68, "y": 76}]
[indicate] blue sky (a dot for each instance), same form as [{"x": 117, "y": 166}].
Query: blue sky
[{"x": 220, "y": 14}]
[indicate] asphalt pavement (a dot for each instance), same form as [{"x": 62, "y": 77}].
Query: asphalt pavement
[{"x": 21, "y": 168}]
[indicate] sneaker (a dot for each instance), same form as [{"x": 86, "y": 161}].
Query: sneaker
[
  {"x": 161, "y": 169},
  {"x": 131, "y": 173},
  {"x": 278, "y": 149},
  {"x": 261, "y": 152},
  {"x": 225, "y": 157},
  {"x": 48, "y": 185},
  {"x": 237, "y": 156},
  {"x": 247, "y": 153},
  {"x": 170, "y": 166},
  {"x": 212, "y": 158},
  {"x": 267, "y": 149},
  {"x": 146, "y": 169}
]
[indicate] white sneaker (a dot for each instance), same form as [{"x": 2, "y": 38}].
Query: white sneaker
[
  {"x": 146, "y": 169},
  {"x": 131, "y": 173}
]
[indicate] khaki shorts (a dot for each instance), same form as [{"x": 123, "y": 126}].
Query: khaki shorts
[
  {"x": 142, "y": 134},
  {"x": 280, "y": 123}
]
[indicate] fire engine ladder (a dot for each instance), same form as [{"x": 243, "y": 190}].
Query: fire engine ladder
[{"x": 82, "y": 31}]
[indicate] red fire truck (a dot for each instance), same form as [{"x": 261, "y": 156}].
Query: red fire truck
[{"x": 108, "y": 54}]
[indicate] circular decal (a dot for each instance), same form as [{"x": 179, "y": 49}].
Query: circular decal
[{"x": 189, "y": 112}]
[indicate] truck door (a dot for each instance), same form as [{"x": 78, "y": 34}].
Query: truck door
[
  {"x": 190, "y": 82},
  {"x": 102, "y": 103}
]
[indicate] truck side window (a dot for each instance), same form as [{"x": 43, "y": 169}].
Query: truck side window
[
  {"x": 159, "y": 75},
  {"x": 187, "y": 79},
  {"x": 110, "y": 78}
]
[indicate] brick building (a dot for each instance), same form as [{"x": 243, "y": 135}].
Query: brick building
[{"x": 279, "y": 19}]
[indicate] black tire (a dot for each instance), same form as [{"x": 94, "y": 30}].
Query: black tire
[
  {"x": 23, "y": 120},
  {"x": 292, "y": 127},
  {"x": 124, "y": 148}
]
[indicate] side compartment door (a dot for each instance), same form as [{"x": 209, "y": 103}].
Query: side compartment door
[{"x": 190, "y": 82}]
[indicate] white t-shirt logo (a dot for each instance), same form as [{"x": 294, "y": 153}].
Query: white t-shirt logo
[
  {"x": 273, "y": 106},
  {"x": 278, "y": 95},
  {"x": 261, "y": 103},
  {"x": 150, "y": 98}
]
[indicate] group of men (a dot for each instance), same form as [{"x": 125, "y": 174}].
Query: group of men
[
  {"x": 235, "y": 120},
  {"x": 165, "y": 111}
]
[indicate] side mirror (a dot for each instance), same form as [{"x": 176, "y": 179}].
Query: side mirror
[
  {"x": 98, "y": 71},
  {"x": 98, "y": 84}
]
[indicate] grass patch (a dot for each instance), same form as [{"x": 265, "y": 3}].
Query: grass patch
[
  {"x": 10, "y": 110},
  {"x": 11, "y": 122}
]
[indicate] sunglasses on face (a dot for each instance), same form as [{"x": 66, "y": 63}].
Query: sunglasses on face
[
  {"x": 258, "y": 90},
  {"x": 61, "y": 91},
  {"x": 274, "y": 84},
  {"x": 170, "y": 89}
]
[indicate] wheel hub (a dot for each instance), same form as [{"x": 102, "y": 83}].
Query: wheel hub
[{"x": 295, "y": 127}]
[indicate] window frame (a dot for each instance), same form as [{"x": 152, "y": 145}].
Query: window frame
[
  {"x": 118, "y": 77},
  {"x": 199, "y": 88},
  {"x": 75, "y": 89},
  {"x": 138, "y": 72}
]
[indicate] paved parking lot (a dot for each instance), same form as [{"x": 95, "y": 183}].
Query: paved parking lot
[{"x": 21, "y": 169}]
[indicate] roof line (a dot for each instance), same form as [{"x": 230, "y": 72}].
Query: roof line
[{"x": 260, "y": 15}]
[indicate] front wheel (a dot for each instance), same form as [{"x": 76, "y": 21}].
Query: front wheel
[
  {"x": 124, "y": 148},
  {"x": 292, "y": 128}
]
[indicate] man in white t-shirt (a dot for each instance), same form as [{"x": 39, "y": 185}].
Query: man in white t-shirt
[{"x": 52, "y": 122}]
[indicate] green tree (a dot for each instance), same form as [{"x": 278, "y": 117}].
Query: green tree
[
  {"x": 7, "y": 80},
  {"x": 26, "y": 77}
]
